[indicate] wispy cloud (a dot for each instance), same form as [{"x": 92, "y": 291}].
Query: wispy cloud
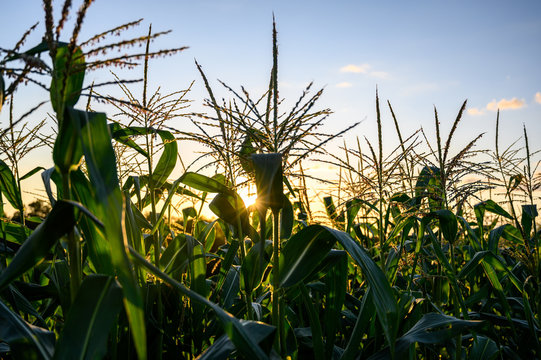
[
  {"x": 344, "y": 84},
  {"x": 475, "y": 111},
  {"x": 504, "y": 104},
  {"x": 538, "y": 97},
  {"x": 364, "y": 69},
  {"x": 357, "y": 69}
]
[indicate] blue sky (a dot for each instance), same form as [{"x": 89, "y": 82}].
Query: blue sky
[{"x": 420, "y": 54}]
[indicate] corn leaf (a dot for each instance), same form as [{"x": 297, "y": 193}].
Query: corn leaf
[
  {"x": 304, "y": 251},
  {"x": 8, "y": 186},
  {"x": 262, "y": 333},
  {"x": 433, "y": 328},
  {"x": 67, "y": 80},
  {"x": 242, "y": 339},
  {"x": 101, "y": 164},
  {"x": 59, "y": 221},
  {"x": 123, "y": 136},
  {"x": 90, "y": 319},
  {"x": 268, "y": 180},
  {"x": 203, "y": 183},
  {"x": 336, "y": 281},
  {"x": 254, "y": 265},
  {"x": 25, "y": 340},
  {"x": 382, "y": 293}
]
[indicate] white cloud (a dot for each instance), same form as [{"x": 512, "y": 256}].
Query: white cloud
[
  {"x": 503, "y": 104},
  {"x": 538, "y": 97},
  {"x": 475, "y": 111},
  {"x": 357, "y": 69},
  {"x": 344, "y": 84},
  {"x": 364, "y": 69}
]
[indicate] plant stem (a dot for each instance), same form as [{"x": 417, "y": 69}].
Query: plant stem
[
  {"x": 248, "y": 295},
  {"x": 74, "y": 248},
  {"x": 277, "y": 320},
  {"x": 317, "y": 335}
]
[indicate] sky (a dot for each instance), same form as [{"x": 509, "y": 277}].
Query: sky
[{"x": 419, "y": 54}]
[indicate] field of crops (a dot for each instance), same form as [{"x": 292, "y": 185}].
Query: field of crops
[{"x": 423, "y": 254}]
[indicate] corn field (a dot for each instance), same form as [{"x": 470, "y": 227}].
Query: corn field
[{"x": 425, "y": 252}]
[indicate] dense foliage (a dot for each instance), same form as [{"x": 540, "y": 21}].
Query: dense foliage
[{"x": 411, "y": 262}]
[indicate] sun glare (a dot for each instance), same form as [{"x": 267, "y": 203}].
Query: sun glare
[{"x": 248, "y": 195}]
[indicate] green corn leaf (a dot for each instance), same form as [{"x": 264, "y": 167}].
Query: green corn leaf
[
  {"x": 176, "y": 255},
  {"x": 8, "y": 186},
  {"x": 180, "y": 190},
  {"x": 490, "y": 206},
  {"x": 268, "y": 180},
  {"x": 533, "y": 324},
  {"x": 59, "y": 276},
  {"x": 472, "y": 264},
  {"x": 198, "y": 267},
  {"x": 46, "y": 177},
  {"x": 494, "y": 237},
  {"x": 529, "y": 213},
  {"x": 448, "y": 269},
  {"x": 226, "y": 264},
  {"x": 353, "y": 206},
  {"x": 315, "y": 325},
  {"x": 165, "y": 206},
  {"x": 168, "y": 158},
  {"x": 483, "y": 348},
  {"x": 25, "y": 340},
  {"x": 247, "y": 149},
  {"x": 254, "y": 266},
  {"x": 203, "y": 183},
  {"x": 68, "y": 150},
  {"x": 336, "y": 281},
  {"x": 134, "y": 233},
  {"x": 31, "y": 172},
  {"x": 433, "y": 328},
  {"x": 230, "y": 208},
  {"x": 242, "y": 339},
  {"x": 24, "y": 305},
  {"x": 363, "y": 322},
  {"x": 472, "y": 236},
  {"x": 123, "y": 136},
  {"x": 490, "y": 263},
  {"x": 382, "y": 293},
  {"x": 101, "y": 164},
  {"x": 262, "y": 333},
  {"x": 90, "y": 319},
  {"x": 188, "y": 213},
  {"x": 286, "y": 219},
  {"x": 65, "y": 91},
  {"x": 332, "y": 258},
  {"x": 514, "y": 181},
  {"x": 15, "y": 233},
  {"x": 332, "y": 213},
  {"x": 448, "y": 224},
  {"x": 230, "y": 288},
  {"x": 422, "y": 186},
  {"x": 59, "y": 221},
  {"x": 304, "y": 251},
  {"x": 99, "y": 248},
  {"x": 405, "y": 223}
]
